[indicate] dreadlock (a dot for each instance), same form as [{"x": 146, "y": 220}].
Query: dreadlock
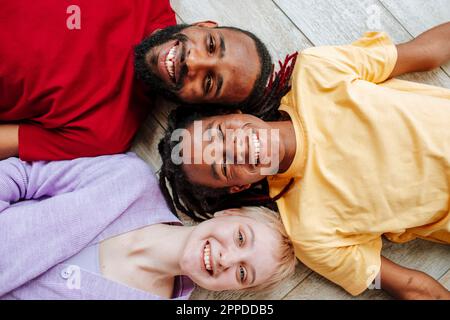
[
  {"x": 196, "y": 201},
  {"x": 266, "y": 107}
]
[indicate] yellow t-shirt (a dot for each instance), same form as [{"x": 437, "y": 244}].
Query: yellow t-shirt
[{"x": 372, "y": 158}]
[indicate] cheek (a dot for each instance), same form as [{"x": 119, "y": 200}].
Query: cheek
[
  {"x": 189, "y": 92},
  {"x": 244, "y": 176},
  {"x": 188, "y": 261},
  {"x": 225, "y": 281}
]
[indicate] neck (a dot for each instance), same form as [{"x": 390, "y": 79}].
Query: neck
[
  {"x": 288, "y": 143},
  {"x": 158, "y": 249}
]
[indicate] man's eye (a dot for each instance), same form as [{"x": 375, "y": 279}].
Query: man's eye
[
  {"x": 208, "y": 82},
  {"x": 212, "y": 45},
  {"x": 242, "y": 273},
  {"x": 224, "y": 160}
]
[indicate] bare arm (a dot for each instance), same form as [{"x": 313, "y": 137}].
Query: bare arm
[
  {"x": 408, "y": 284},
  {"x": 9, "y": 140},
  {"x": 429, "y": 50}
]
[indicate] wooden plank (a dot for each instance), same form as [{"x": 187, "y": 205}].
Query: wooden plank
[
  {"x": 445, "y": 280},
  {"x": 416, "y": 16},
  {"x": 329, "y": 22},
  {"x": 145, "y": 144},
  {"x": 179, "y": 19},
  {"x": 262, "y": 17},
  {"x": 432, "y": 258},
  {"x": 301, "y": 273}
]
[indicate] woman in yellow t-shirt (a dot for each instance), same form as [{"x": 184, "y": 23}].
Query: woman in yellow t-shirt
[{"x": 350, "y": 156}]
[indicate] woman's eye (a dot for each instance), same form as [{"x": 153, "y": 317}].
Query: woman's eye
[
  {"x": 242, "y": 273},
  {"x": 241, "y": 238},
  {"x": 208, "y": 82}
]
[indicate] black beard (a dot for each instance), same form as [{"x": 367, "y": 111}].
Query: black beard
[{"x": 142, "y": 69}]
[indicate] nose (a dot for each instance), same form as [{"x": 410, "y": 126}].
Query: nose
[
  {"x": 233, "y": 147},
  {"x": 198, "y": 60},
  {"x": 238, "y": 146},
  {"x": 229, "y": 259}
]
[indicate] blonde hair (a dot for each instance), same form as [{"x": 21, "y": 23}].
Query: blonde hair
[{"x": 286, "y": 255}]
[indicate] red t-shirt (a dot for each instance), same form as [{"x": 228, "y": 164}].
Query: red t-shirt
[{"x": 72, "y": 90}]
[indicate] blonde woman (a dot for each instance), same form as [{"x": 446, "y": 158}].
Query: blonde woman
[{"x": 99, "y": 228}]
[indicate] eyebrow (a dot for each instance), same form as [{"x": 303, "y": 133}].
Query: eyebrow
[
  {"x": 214, "y": 164},
  {"x": 221, "y": 55},
  {"x": 222, "y": 45},
  {"x": 252, "y": 242}
]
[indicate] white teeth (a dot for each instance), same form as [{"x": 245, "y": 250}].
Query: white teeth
[
  {"x": 206, "y": 257},
  {"x": 257, "y": 146},
  {"x": 170, "y": 62}
]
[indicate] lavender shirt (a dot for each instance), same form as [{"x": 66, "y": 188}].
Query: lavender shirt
[{"x": 50, "y": 211}]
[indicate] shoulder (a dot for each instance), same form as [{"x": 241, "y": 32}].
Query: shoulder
[{"x": 129, "y": 164}]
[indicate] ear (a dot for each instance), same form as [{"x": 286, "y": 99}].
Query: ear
[
  {"x": 155, "y": 31},
  {"x": 236, "y": 189},
  {"x": 227, "y": 212},
  {"x": 206, "y": 24}
]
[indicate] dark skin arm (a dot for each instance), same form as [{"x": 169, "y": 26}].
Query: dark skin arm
[
  {"x": 428, "y": 51},
  {"x": 9, "y": 140},
  {"x": 407, "y": 284}
]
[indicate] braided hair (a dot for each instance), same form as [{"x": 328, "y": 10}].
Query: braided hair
[
  {"x": 199, "y": 202},
  {"x": 266, "y": 108}
]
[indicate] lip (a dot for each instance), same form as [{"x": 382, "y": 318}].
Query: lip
[
  {"x": 202, "y": 263},
  {"x": 264, "y": 144},
  {"x": 176, "y": 61},
  {"x": 162, "y": 70},
  {"x": 253, "y": 166}
]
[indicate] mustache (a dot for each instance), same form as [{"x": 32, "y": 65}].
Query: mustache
[{"x": 184, "y": 68}]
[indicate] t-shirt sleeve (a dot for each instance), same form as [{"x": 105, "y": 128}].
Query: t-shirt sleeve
[
  {"x": 371, "y": 58},
  {"x": 38, "y": 143},
  {"x": 353, "y": 267}
]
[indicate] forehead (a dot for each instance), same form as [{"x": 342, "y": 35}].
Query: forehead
[
  {"x": 193, "y": 145},
  {"x": 265, "y": 257},
  {"x": 239, "y": 66}
]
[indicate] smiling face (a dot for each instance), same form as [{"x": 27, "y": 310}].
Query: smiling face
[
  {"x": 236, "y": 150},
  {"x": 231, "y": 252},
  {"x": 204, "y": 64}
]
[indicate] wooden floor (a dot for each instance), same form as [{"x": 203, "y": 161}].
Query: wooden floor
[{"x": 293, "y": 25}]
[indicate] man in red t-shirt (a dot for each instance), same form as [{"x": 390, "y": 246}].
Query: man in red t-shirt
[
  {"x": 66, "y": 75},
  {"x": 67, "y": 86}
]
